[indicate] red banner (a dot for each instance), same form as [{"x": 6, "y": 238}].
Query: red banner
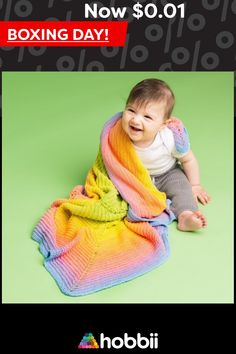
[{"x": 62, "y": 33}]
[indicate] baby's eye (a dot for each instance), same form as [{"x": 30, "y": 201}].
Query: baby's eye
[
  {"x": 148, "y": 117},
  {"x": 130, "y": 110}
]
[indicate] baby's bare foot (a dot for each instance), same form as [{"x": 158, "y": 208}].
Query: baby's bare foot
[{"x": 191, "y": 221}]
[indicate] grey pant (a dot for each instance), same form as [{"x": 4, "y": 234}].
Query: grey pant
[{"x": 177, "y": 188}]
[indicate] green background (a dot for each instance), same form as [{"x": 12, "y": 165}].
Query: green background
[{"x": 51, "y": 128}]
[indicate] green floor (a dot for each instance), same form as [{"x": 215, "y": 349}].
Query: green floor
[{"x": 51, "y": 127}]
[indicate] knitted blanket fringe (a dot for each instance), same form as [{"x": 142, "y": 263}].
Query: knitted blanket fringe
[{"x": 114, "y": 228}]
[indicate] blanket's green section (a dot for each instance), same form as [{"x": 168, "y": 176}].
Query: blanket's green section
[{"x": 104, "y": 203}]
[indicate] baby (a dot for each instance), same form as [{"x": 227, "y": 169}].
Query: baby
[{"x": 145, "y": 118}]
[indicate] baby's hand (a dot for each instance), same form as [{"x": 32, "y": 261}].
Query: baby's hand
[{"x": 200, "y": 194}]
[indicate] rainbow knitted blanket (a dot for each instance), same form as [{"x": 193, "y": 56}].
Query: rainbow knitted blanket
[{"x": 114, "y": 228}]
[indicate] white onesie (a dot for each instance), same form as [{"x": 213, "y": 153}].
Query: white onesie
[{"x": 161, "y": 155}]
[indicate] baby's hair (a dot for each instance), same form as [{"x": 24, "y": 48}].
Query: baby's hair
[{"x": 152, "y": 90}]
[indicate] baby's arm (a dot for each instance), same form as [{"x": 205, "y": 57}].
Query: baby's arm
[{"x": 191, "y": 169}]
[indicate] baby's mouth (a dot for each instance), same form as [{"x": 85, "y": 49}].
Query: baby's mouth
[{"x": 135, "y": 129}]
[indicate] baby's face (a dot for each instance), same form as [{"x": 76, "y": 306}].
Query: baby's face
[{"x": 142, "y": 123}]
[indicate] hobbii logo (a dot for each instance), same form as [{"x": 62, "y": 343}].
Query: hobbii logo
[{"x": 88, "y": 341}]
